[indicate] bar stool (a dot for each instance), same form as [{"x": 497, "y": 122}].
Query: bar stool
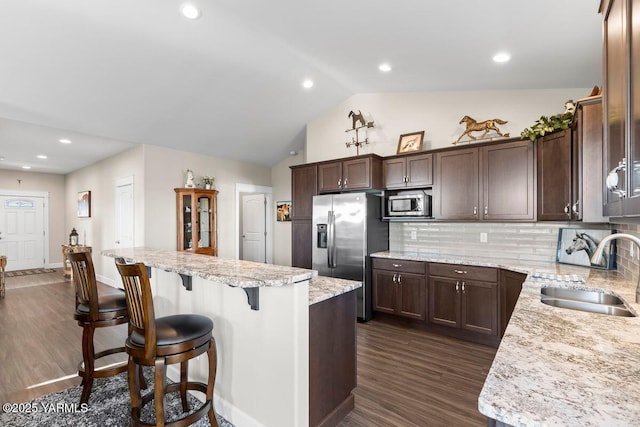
[
  {"x": 164, "y": 341},
  {"x": 3, "y": 264},
  {"x": 94, "y": 311}
]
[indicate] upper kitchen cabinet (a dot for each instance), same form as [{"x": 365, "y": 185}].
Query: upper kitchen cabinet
[
  {"x": 493, "y": 182},
  {"x": 354, "y": 173},
  {"x": 621, "y": 100},
  {"x": 304, "y": 185},
  {"x": 195, "y": 212},
  {"x": 411, "y": 171},
  {"x": 565, "y": 192}
]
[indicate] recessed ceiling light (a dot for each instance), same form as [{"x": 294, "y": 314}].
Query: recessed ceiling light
[
  {"x": 26, "y": 167},
  {"x": 501, "y": 57},
  {"x": 41, "y": 156},
  {"x": 293, "y": 153},
  {"x": 190, "y": 11},
  {"x": 307, "y": 84},
  {"x": 385, "y": 68},
  {"x": 1, "y": 158},
  {"x": 65, "y": 141}
]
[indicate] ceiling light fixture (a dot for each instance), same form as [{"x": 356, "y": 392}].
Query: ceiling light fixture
[
  {"x": 307, "y": 84},
  {"x": 385, "y": 68},
  {"x": 1, "y": 158},
  {"x": 41, "y": 156},
  {"x": 293, "y": 153},
  {"x": 190, "y": 11},
  {"x": 65, "y": 141},
  {"x": 501, "y": 57},
  {"x": 26, "y": 167}
]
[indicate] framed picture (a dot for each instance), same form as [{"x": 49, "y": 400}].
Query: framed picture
[
  {"x": 84, "y": 204},
  {"x": 410, "y": 142},
  {"x": 283, "y": 211},
  {"x": 576, "y": 245}
]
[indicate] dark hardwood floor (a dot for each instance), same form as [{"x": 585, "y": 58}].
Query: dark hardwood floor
[
  {"x": 410, "y": 378},
  {"x": 406, "y": 377}
]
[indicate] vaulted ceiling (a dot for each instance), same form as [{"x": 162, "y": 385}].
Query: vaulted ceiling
[{"x": 108, "y": 74}]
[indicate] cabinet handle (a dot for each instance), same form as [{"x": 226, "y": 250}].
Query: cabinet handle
[
  {"x": 458, "y": 287},
  {"x": 394, "y": 278},
  {"x": 575, "y": 207},
  {"x": 397, "y": 265},
  {"x": 344, "y": 184},
  {"x": 486, "y": 210},
  {"x": 567, "y": 209},
  {"x": 463, "y": 287},
  {"x": 460, "y": 271},
  {"x": 406, "y": 179},
  {"x": 339, "y": 182},
  {"x": 399, "y": 279},
  {"x": 475, "y": 210}
]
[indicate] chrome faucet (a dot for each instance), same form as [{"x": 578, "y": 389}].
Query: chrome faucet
[{"x": 597, "y": 255}]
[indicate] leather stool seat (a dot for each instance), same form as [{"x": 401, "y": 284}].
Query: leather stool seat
[
  {"x": 177, "y": 329},
  {"x": 107, "y": 304}
]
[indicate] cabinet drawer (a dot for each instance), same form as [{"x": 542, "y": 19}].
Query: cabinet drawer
[
  {"x": 485, "y": 274},
  {"x": 401, "y": 265}
]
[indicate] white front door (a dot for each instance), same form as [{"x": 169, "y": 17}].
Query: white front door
[
  {"x": 124, "y": 213},
  {"x": 254, "y": 228},
  {"x": 22, "y": 236}
]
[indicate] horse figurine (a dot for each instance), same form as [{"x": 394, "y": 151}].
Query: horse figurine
[
  {"x": 355, "y": 118},
  {"x": 584, "y": 242},
  {"x": 486, "y": 126}
]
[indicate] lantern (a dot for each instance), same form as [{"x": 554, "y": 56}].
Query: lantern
[{"x": 73, "y": 238}]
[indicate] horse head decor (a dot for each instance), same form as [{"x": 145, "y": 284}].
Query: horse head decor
[
  {"x": 486, "y": 126},
  {"x": 585, "y": 242}
]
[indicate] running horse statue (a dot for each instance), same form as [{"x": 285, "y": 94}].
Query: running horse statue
[
  {"x": 584, "y": 242},
  {"x": 486, "y": 126}
]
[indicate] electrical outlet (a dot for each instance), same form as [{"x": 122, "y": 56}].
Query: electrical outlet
[
  {"x": 414, "y": 235},
  {"x": 483, "y": 237}
]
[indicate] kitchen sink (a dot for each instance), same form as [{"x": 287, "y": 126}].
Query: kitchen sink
[{"x": 583, "y": 300}]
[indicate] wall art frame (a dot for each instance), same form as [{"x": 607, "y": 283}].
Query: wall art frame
[
  {"x": 576, "y": 245},
  {"x": 410, "y": 142},
  {"x": 84, "y": 204}
]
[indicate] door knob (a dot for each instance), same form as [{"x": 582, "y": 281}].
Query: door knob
[{"x": 117, "y": 242}]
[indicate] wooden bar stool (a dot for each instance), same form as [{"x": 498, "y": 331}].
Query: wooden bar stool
[
  {"x": 94, "y": 311},
  {"x": 164, "y": 341},
  {"x": 3, "y": 264}
]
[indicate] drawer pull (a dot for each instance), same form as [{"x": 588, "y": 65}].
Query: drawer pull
[
  {"x": 397, "y": 265},
  {"x": 457, "y": 287},
  {"x": 460, "y": 271}
]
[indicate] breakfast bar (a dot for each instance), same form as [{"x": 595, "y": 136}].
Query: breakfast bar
[{"x": 263, "y": 336}]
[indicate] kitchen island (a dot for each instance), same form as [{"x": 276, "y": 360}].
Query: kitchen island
[
  {"x": 555, "y": 366},
  {"x": 262, "y": 314}
]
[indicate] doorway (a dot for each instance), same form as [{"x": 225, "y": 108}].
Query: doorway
[
  {"x": 24, "y": 229},
  {"x": 254, "y": 223},
  {"x": 125, "y": 218}
]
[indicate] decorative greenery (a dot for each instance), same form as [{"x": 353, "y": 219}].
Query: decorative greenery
[
  {"x": 545, "y": 125},
  {"x": 206, "y": 179}
]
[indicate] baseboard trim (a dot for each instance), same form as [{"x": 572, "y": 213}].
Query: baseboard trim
[{"x": 339, "y": 412}]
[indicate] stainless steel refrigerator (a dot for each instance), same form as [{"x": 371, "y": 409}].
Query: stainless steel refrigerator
[{"x": 347, "y": 228}]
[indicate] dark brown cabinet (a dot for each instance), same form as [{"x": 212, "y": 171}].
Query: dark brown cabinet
[
  {"x": 492, "y": 182},
  {"x": 304, "y": 185},
  {"x": 554, "y": 176},
  {"x": 510, "y": 287},
  {"x": 464, "y": 297},
  {"x": 621, "y": 101},
  {"x": 356, "y": 173},
  {"x": 413, "y": 171},
  {"x": 399, "y": 287},
  {"x": 195, "y": 214}
]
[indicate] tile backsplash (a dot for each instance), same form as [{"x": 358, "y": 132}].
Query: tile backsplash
[
  {"x": 536, "y": 241},
  {"x": 627, "y": 265}
]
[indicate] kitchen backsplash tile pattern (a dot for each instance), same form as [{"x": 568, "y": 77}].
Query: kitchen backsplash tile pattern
[
  {"x": 522, "y": 241},
  {"x": 627, "y": 265}
]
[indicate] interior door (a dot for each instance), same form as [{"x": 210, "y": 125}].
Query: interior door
[
  {"x": 125, "y": 217},
  {"x": 22, "y": 232},
  {"x": 254, "y": 228}
]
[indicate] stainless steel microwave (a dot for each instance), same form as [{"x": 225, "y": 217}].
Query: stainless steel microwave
[{"x": 411, "y": 205}]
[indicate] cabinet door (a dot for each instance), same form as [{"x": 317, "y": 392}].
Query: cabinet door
[
  {"x": 479, "y": 307},
  {"x": 411, "y": 296},
  {"x": 356, "y": 174},
  {"x": 420, "y": 170},
  {"x": 444, "y": 301},
  {"x": 631, "y": 206},
  {"x": 394, "y": 172},
  {"x": 510, "y": 287},
  {"x": 456, "y": 195},
  {"x": 554, "y": 176},
  {"x": 204, "y": 219},
  {"x": 507, "y": 171},
  {"x": 329, "y": 177},
  {"x": 384, "y": 291},
  {"x": 615, "y": 97},
  {"x": 304, "y": 185},
  {"x": 301, "y": 243}
]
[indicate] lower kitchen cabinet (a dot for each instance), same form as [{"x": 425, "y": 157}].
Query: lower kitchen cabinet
[{"x": 399, "y": 288}]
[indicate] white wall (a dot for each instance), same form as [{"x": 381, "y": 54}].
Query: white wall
[
  {"x": 55, "y": 186},
  {"x": 437, "y": 113}
]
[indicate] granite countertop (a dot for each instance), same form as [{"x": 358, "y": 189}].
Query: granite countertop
[
  {"x": 322, "y": 288},
  {"x": 232, "y": 272},
  {"x": 557, "y": 366}
]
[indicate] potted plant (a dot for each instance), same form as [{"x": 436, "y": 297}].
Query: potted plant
[
  {"x": 545, "y": 125},
  {"x": 208, "y": 181}
]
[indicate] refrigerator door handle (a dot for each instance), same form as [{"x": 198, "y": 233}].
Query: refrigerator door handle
[{"x": 331, "y": 239}]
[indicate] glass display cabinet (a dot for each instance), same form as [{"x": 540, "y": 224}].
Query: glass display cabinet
[{"x": 195, "y": 215}]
